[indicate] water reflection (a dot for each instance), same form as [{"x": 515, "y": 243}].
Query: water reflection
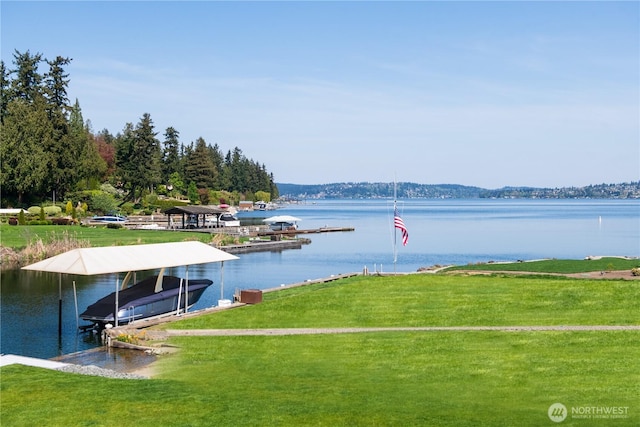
[{"x": 110, "y": 358}]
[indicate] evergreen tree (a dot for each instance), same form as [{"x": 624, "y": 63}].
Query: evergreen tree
[
  {"x": 148, "y": 153},
  {"x": 5, "y": 86},
  {"x": 26, "y": 131},
  {"x": 125, "y": 161},
  {"x": 239, "y": 173},
  {"x": 170, "y": 154},
  {"x": 27, "y": 85},
  {"x": 218, "y": 163},
  {"x": 57, "y": 81},
  {"x": 47, "y": 146},
  {"x": 199, "y": 167},
  {"x": 25, "y": 164},
  {"x": 90, "y": 166},
  {"x": 65, "y": 150},
  {"x": 212, "y": 159},
  {"x": 275, "y": 193},
  {"x": 138, "y": 158}
]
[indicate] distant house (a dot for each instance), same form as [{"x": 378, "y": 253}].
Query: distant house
[{"x": 245, "y": 205}]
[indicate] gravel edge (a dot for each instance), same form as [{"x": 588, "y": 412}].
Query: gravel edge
[{"x": 99, "y": 372}]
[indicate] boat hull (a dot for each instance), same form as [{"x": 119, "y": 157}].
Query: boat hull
[{"x": 141, "y": 302}]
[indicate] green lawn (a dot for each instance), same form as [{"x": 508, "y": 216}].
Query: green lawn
[
  {"x": 363, "y": 379},
  {"x": 563, "y": 266},
  {"x": 437, "y": 300},
  {"x": 19, "y": 236}
]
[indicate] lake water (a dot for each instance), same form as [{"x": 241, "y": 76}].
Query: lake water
[{"x": 440, "y": 232}]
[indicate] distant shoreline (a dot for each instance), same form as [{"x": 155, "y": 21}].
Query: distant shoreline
[{"x": 408, "y": 190}]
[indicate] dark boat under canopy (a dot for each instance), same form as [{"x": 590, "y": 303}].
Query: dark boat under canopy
[
  {"x": 118, "y": 259},
  {"x": 153, "y": 296}
]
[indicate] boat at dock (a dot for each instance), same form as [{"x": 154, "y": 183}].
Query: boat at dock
[
  {"x": 109, "y": 219},
  {"x": 282, "y": 222},
  {"x": 153, "y": 296},
  {"x": 223, "y": 220}
]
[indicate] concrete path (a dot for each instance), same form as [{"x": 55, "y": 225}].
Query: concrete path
[
  {"x": 309, "y": 331},
  {"x": 10, "y": 359}
]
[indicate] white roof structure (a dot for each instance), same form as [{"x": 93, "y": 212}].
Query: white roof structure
[
  {"x": 12, "y": 211},
  {"x": 117, "y": 259}
]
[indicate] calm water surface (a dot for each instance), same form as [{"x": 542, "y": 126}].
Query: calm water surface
[{"x": 440, "y": 232}]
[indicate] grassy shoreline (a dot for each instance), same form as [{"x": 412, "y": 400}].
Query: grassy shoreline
[
  {"x": 19, "y": 237},
  {"x": 21, "y": 245},
  {"x": 554, "y": 266},
  {"x": 376, "y": 378}
]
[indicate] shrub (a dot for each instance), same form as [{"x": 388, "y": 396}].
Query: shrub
[
  {"x": 114, "y": 226},
  {"x": 42, "y": 216},
  {"x": 169, "y": 203},
  {"x": 131, "y": 338},
  {"x": 151, "y": 199},
  {"x": 52, "y": 210},
  {"x": 127, "y": 208},
  {"x": 40, "y": 222},
  {"x": 110, "y": 189},
  {"x": 61, "y": 221},
  {"x": 203, "y": 196},
  {"x": 263, "y": 195},
  {"x": 21, "y": 219},
  {"x": 83, "y": 196},
  {"x": 192, "y": 192},
  {"x": 34, "y": 210},
  {"x": 103, "y": 203}
]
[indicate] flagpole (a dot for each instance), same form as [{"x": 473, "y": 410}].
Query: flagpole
[
  {"x": 395, "y": 230},
  {"x": 398, "y": 223}
]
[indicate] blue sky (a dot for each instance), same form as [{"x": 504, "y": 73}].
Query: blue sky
[{"x": 491, "y": 94}]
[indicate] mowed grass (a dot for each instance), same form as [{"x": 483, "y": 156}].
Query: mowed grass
[
  {"x": 561, "y": 266},
  {"x": 363, "y": 379},
  {"x": 437, "y": 300},
  {"x": 18, "y": 237}
]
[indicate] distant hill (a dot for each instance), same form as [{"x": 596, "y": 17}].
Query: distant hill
[{"x": 384, "y": 190}]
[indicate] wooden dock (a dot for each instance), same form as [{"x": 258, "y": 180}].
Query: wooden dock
[
  {"x": 262, "y": 245},
  {"x": 304, "y": 231}
]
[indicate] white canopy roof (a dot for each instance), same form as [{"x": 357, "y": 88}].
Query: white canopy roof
[
  {"x": 281, "y": 218},
  {"x": 117, "y": 259},
  {"x": 12, "y": 211}
]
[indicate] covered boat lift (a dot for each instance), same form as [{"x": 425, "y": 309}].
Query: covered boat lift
[
  {"x": 119, "y": 259},
  {"x": 197, "y": 213},
  {"x": 282, "y": 222}
]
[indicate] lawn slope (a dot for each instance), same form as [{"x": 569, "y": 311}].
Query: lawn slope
[{"x": 464, "y": 378}]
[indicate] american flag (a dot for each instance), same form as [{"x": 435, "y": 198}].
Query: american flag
[{"x": 399, "y": 223}]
